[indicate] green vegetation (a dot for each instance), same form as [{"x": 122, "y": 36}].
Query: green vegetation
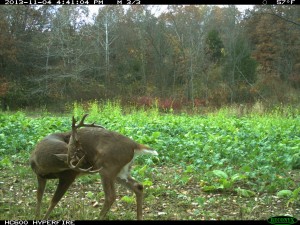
[{"x": 213, "y": 166}]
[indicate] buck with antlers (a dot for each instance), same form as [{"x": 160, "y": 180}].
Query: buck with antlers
[{"x": 91, "y": 149}]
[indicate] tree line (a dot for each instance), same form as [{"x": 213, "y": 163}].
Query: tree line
[{"x": 50, "y": 55}]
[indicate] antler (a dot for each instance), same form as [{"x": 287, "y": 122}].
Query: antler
[
  {"x": 82, "y": 124},
  {"x": 74, "y": 147},
  {"x": 77, "y": 168}
]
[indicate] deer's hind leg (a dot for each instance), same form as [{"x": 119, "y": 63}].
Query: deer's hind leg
[
  {"x": 137, "y": 188},
  {"x": 66, "y": 178},
  {"x": 40, "y": 192},
  {"x": 126, "y": 180}
]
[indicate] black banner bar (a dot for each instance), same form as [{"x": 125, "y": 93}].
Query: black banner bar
[{"x": 149, "y": 2}]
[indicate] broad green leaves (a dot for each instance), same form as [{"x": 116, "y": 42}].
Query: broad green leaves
[
  {"x": 19, "y": 132},
  {"x": 284, "y": 193},
  {"x": 228, "y": 153},
  {"x": 220, "y": 174}
]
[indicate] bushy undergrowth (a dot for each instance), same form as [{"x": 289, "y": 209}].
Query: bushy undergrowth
[{"x": 220, "y": 151}]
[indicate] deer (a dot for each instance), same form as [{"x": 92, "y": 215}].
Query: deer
[{"x": 87, "y": 149}]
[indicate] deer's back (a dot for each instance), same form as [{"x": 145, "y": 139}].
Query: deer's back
[
  {"x": 43, "y": 161},
  {"x": 106, "y": 148},
  {"x": 103, "y": 148}
]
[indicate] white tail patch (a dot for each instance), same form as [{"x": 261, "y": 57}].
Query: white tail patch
[
  {"x": 125, "y": 171},
  {"x": 145, "y": 151}
]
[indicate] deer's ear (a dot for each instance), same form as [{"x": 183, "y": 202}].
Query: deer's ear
[{"x": 62, "y": 157}]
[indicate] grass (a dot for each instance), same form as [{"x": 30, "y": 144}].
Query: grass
[{"x": 213, "y": 166}]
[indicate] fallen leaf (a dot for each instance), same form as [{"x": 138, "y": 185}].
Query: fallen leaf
[{"x": 96, "y": 204}]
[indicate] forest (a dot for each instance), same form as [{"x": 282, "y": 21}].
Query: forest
[{"x": 185, "y": 55}]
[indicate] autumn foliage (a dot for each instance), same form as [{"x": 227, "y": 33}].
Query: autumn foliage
[
  {"x": 168, "y": 104},
  {"x": 184, "y": 56}
]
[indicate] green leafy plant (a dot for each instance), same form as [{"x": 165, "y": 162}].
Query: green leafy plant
[
  {"x": 292, "y": 196},
  {"x": 90, "y": 195},
  {"x": 244, "y": 192},
  {"x": 5, "y": 162},
  {"x": 295, "y": 197},
  {"x": 226, "y": 183},
  {"x": 219, "y": 153},
  {"x": 128, "y": 199}
]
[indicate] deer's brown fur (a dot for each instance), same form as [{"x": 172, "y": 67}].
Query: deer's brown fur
[{"x": 107, "y": 152}]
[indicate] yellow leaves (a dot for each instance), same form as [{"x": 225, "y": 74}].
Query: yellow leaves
[
  {"x": 136, "y": 53},
  {"x": 223, "y": 52}
]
